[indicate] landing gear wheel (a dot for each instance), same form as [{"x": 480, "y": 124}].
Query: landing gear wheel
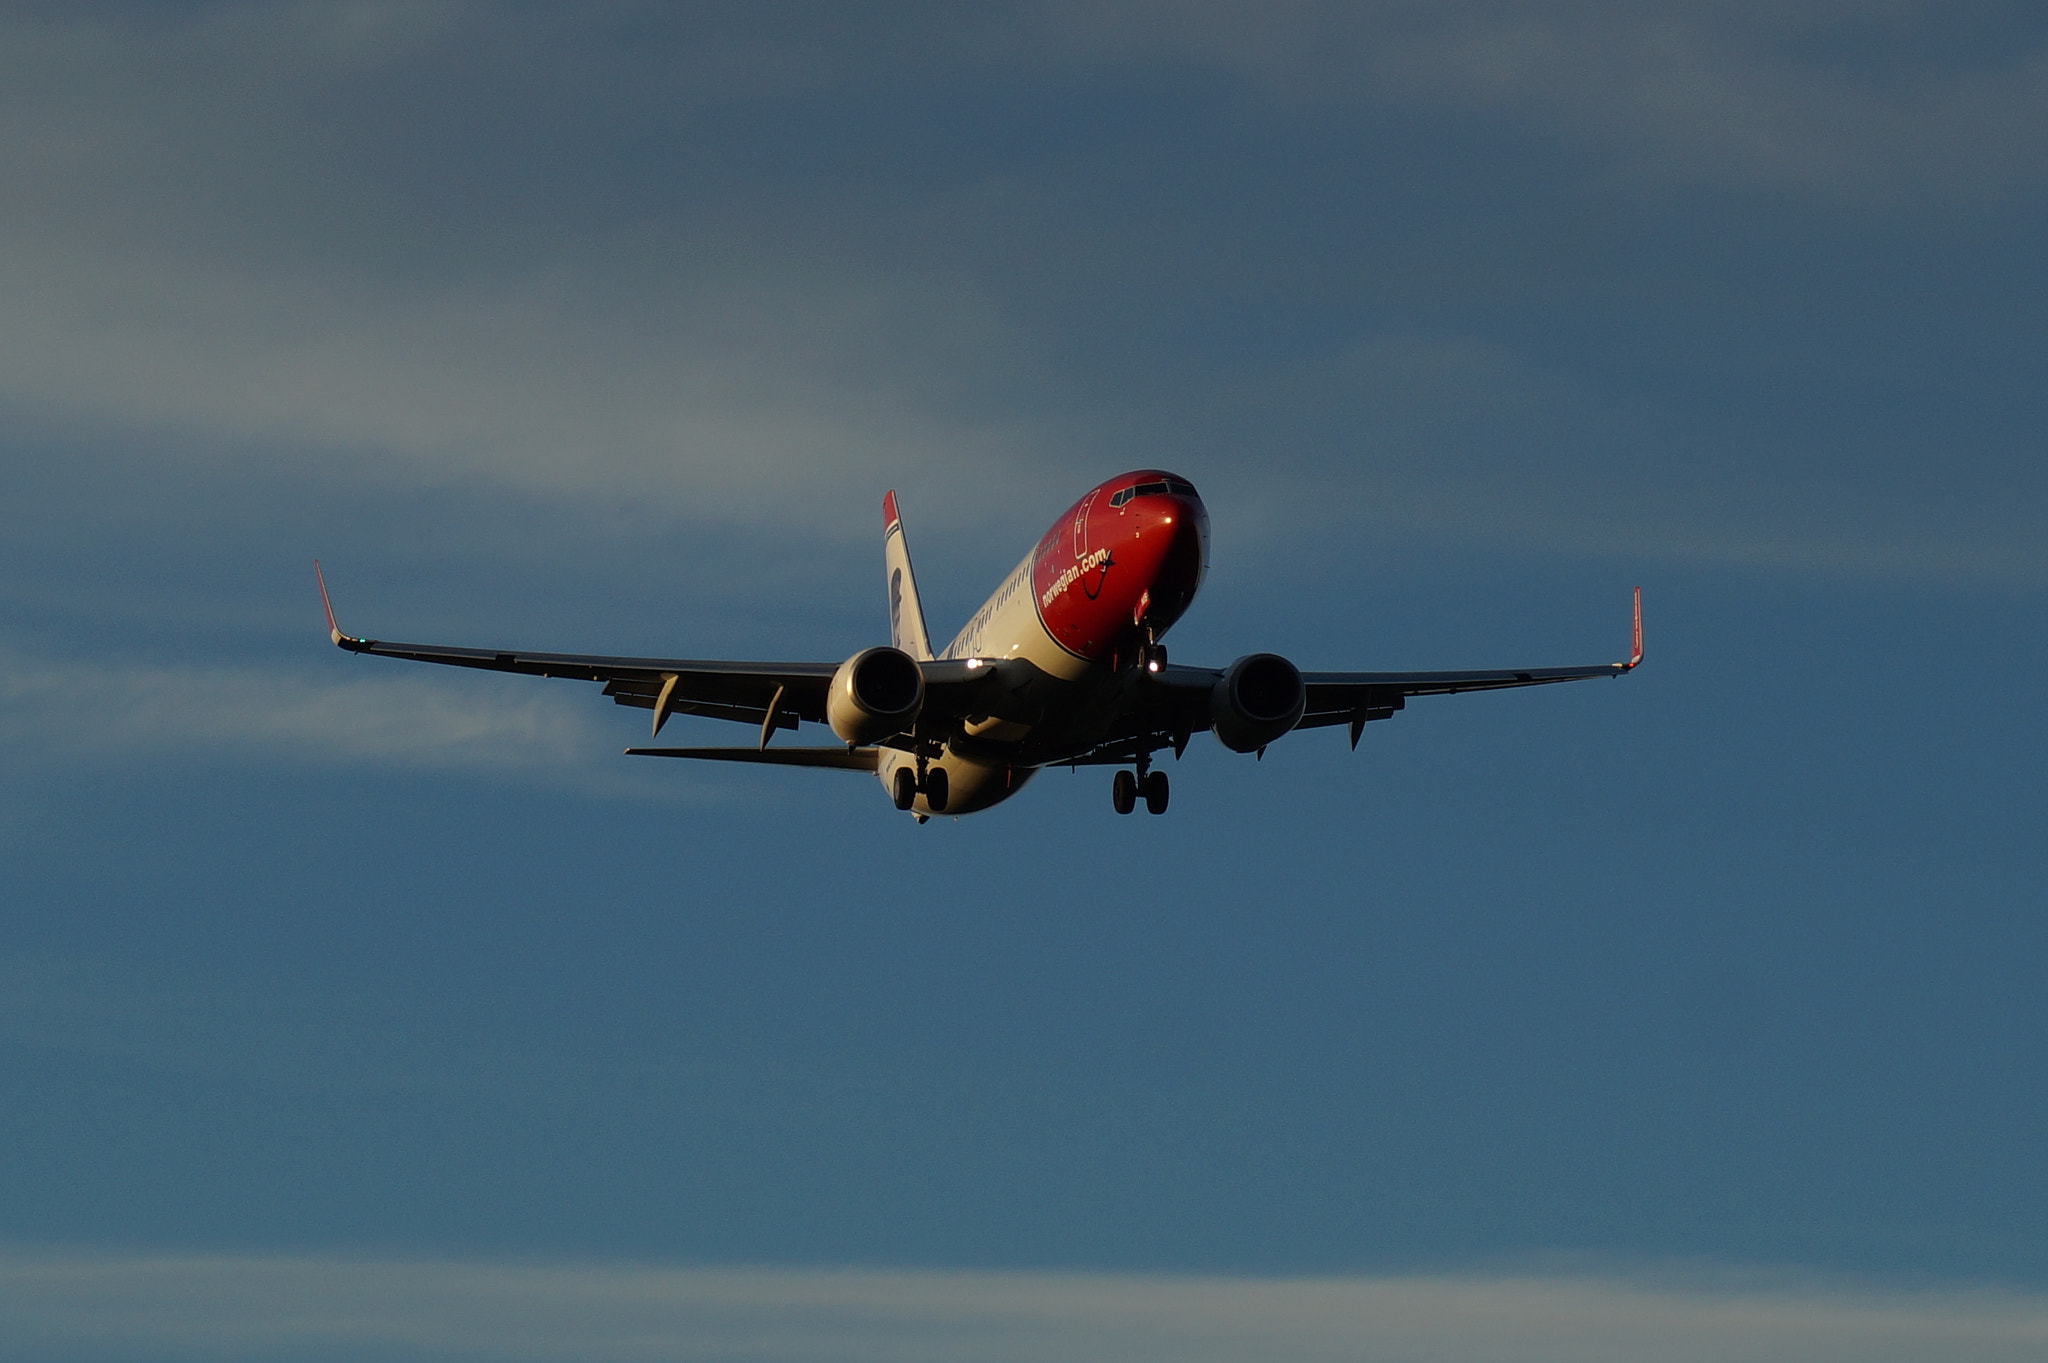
[
  {"x": 904, "y": 787},
  {"x": 936, "y": 788},
  {"x": 1155, "y": 793},
  {"x": 1123, "y": 792}
]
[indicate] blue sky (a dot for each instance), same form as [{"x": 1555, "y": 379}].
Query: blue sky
[{"x": 1703, "y": 1004}]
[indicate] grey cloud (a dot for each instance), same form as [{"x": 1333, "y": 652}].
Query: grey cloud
[
  {"x": 196, "y": 251},
  {"x": 281, "y": 1307},
  {"x": 1428, "y": 438},
  {"x": 1691, "y": 95},
  {"x": 652, "y": 260},
  {"x": 1936, "y": 100},
  {"x": 739, "y": 400},
  {"x": 72, "y": 709}
]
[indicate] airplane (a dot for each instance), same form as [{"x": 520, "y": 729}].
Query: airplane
[{"x": 1063, "y": 666}]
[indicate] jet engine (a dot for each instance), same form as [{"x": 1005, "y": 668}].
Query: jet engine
[
  {"x": 875, "y": 693},
  {"x": 1258, "y": 698}
]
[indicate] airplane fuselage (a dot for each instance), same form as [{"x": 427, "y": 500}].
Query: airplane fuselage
[{"x": 1090, "y": 601}]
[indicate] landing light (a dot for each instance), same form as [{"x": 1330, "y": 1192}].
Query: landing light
[{"x": 973, "y": 663}]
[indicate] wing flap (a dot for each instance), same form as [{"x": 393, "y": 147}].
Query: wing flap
[
  {"x": 858, "y": 759},
  {"x": 646, "y": 695}
]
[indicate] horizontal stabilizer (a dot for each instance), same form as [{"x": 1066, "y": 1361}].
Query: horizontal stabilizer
[{"x": 859, "y": 759}]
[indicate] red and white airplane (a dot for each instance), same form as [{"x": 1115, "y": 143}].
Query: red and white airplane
[{"x": 1062, "y": 666}]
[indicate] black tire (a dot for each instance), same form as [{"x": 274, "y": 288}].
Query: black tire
[
  {"x": 936, "y": 789},
  {"x": 905, "y": 791},
  {"x": 1123, "y": 792},
  {"x": 1155, "y": 793}
]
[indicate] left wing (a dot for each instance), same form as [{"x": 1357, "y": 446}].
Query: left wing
[
  {"x": 1355, "y": 698},
  {"x": 1179, "y": 700}
]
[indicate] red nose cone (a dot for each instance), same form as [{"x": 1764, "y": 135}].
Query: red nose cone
[
  {"x": 1166, "y": 546},
  {"x": 1122, "y": 564}
]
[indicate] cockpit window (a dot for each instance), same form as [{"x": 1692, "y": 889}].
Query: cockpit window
[{"x": 1158, "y": 489}]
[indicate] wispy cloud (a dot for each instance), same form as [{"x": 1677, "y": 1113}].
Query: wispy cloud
[
  {"x": 203, "y": 243},
  {"x": 222, "y": 231},
  {"x": 745, "y": 395},
  {"x": 282, "y": 1307},
  {"x": 69, "y": 709},
  {"x": 1420, "y": 438},
  {"x": 1895, "y": 103}
]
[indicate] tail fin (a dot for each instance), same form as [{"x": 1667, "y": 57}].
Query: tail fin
[{"x": 906, "y": 616}]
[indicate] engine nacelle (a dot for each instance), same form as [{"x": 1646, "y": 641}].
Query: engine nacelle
[
  {"x": 875, "y": 693},
  {"x": 1258, "y": 698}
]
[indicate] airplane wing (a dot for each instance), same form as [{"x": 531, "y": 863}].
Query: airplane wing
[
  {"x": 1355, "y": 698},
  {"x": 1179, "y": 702},
  {"x": 768, "y": 695},
  {"x": 859, "y": 759}
]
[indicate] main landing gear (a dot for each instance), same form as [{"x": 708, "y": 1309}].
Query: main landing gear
[
  {"x": 1127, "y": 786},
  {"x": 931, "y": 783}
]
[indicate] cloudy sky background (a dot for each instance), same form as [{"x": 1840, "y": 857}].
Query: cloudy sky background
[{"x": 605, "y": 330}]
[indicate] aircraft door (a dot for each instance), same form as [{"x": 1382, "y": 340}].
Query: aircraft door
[{"x": 1081, "y": 525}]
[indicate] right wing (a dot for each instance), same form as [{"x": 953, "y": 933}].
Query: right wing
[{"x": 769, "y": 696}]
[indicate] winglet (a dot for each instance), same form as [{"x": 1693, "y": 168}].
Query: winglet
[
  {"x": 889, "y": 516},
  {"x": 333, "y": 630},
  {"x": 1635, "y": 637}
]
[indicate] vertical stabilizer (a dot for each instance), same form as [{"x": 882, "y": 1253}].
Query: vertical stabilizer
[{"x": 906, "y": 616}]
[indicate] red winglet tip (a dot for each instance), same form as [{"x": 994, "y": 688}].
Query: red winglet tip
[
  {"x": 333, "y": 630},
  {"x": 888, "y": 509}
]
